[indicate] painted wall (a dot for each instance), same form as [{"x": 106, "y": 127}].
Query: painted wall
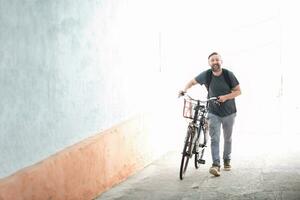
[
  {"x": 70, "y": 69},
  {"x": 84, "y": 170}
]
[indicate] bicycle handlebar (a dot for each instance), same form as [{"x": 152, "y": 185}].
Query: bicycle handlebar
[{"x": 201, "y": 101}]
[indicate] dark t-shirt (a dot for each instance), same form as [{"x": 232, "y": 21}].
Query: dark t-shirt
[{"x": 218, "y": 86}]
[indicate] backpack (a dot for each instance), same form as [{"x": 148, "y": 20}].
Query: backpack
[{"x": 225, "y": 74}]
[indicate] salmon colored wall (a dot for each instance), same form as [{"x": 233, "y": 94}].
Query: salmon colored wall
[{"x": 85, "y": 170}]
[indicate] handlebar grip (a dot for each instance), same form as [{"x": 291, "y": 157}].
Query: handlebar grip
[{"x": 181, "y": 93}]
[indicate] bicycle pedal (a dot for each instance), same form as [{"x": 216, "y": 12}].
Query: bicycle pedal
[{"x": 201, "y": 161}]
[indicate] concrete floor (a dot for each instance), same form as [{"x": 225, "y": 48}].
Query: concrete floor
[{"x": 268, "y": 168}]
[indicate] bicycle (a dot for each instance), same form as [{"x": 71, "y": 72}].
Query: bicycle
[{"x": 196, "y": 137}]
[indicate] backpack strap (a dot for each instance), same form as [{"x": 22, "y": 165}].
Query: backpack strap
[
  {"x": 226, "y": 77},
  {"x": 208, "y": 78}
]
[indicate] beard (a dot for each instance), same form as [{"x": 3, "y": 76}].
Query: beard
[{"x": 216, "y": 67}]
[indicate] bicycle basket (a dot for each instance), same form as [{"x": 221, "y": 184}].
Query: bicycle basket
[{"x": 189, "y": 108}]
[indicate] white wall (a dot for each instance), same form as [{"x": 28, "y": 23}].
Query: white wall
[{"x": 258, "y": 41}]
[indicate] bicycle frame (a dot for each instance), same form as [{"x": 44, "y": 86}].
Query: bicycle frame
[{"x": 198, "y": 123}]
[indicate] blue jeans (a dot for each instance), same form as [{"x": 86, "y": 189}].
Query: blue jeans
[{"x": 214, "y": 124}]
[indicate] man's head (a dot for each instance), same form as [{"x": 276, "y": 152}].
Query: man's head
[{"x": 215, "y": 61}]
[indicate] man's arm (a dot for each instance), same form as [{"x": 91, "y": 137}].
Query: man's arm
[
  {"x": 236, "y": 91},
  {"x": 190, "y": 84}
]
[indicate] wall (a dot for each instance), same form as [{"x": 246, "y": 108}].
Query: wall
[
  {"x": 248, "y": 35},
  {"x": 70, "y": 69},
  {"x": 290, "y": 68},
  {"x": 84, "y": 170}
]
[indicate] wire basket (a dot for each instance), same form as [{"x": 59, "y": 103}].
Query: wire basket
[{"x": 189, "y": 108}]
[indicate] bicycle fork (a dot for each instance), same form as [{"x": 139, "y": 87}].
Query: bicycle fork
[{"x": 190, "y": 141}]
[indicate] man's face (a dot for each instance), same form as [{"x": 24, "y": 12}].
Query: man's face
[{"x": 215, "y": 63}]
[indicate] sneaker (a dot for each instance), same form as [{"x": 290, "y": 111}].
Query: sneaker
[
  {"x": 215, "y": 170},
  {"x": 227, "y": 166}
]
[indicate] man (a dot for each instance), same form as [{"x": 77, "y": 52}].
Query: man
[{"x": 223, "y": 84}]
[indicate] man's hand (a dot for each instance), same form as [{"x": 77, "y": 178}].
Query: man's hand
[
  {"x": 222, "y": 98},
  {"x": 234, "y": 93},
  {"x": 190, "y": 84},
  {"x": 181, "y": 93}
]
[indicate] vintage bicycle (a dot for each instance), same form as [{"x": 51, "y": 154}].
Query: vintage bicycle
[{"x": 197, "y": 131}]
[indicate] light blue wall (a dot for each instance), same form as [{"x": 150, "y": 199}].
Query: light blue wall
[{"x": 69, "y": 69}]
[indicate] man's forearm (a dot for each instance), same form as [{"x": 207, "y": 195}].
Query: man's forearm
[
  {"x": 190, "y": 84},
  {"x": 233, "y": 94}
]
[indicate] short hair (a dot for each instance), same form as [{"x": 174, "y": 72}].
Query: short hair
[{"x": 212, "y": 54}]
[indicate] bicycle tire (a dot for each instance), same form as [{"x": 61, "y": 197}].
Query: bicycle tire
[
  {"x": 201, "y": 142},
  {"x": 199, "y": 156},
  {"x": 185, "y": 154}
]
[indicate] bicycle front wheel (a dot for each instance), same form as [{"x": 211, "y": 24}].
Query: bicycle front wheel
[
  {"x": 201, "y": 147},
  {"x": 186, "y": 154}
]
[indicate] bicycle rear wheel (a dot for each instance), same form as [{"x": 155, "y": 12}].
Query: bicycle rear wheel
[{"x": 186, "y": 154}]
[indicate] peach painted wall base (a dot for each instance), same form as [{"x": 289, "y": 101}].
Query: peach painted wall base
[{"x": 85, "y": 170}]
